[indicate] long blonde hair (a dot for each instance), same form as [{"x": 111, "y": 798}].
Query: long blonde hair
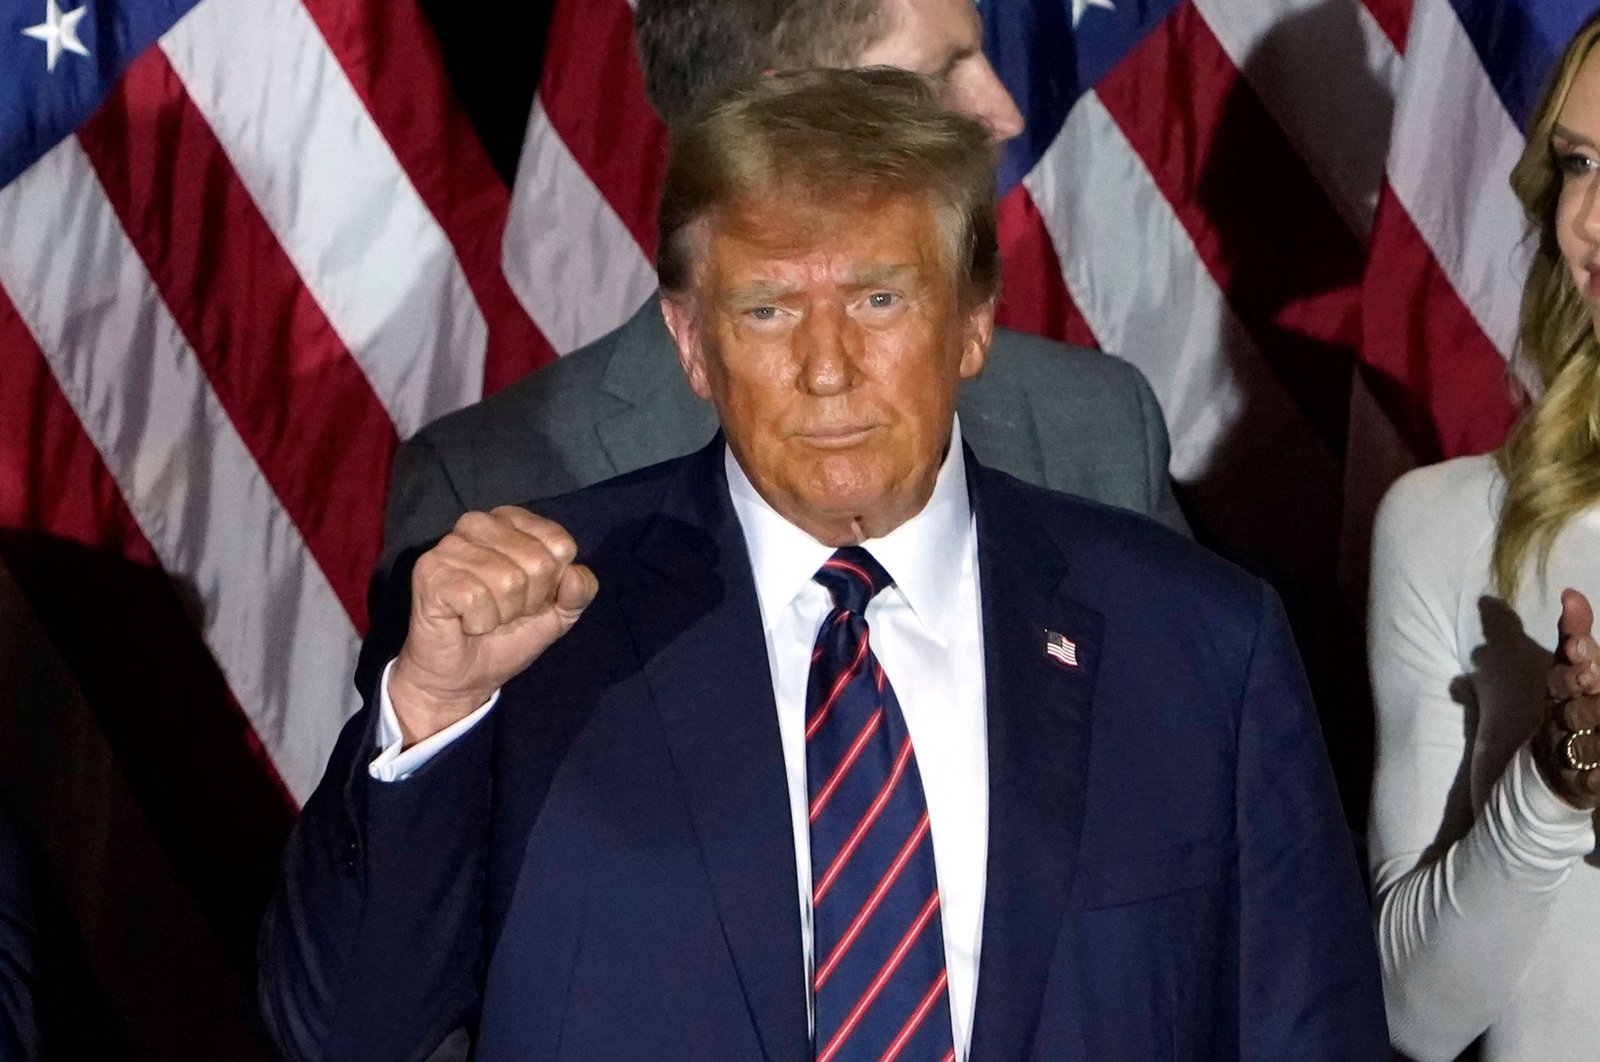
[{"x": 1551, "y": 461}]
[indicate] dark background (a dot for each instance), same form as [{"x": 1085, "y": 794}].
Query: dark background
[{"x": 493, "y": 52}]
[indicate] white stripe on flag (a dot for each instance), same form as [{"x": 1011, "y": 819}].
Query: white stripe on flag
[
  {"x": 1134, "y": 272},
  {"x": 1328, "y": 74},
  {"x": 270, "y": 618},
  {"x": 1450, "y": 163},
  {"x": 331, "y": 189},
  {"x": 574, "y": 266}
]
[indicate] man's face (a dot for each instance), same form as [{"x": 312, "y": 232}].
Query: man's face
[
  {"x": 832, "y": 342},
  {"x": 944, "y": 40}
]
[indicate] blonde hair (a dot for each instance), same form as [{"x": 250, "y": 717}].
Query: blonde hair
[
  {"x": 826, "y": 137},
  {"x": 1551, "y": 461}
]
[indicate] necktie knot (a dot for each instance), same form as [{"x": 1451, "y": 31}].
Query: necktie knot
[{"x": 853, "y": 576}]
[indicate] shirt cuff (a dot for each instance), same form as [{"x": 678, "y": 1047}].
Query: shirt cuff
[
  {"x": 396, "y": 763},
  {"x": 1552, "y": 832}
]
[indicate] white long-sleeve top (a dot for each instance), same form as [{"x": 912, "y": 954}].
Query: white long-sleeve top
[{"x": 1488, "y": 912}]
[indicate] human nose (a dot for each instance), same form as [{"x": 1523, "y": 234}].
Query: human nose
[
  {"x": 992, "y": 104},
  {"x": 1588, "y": 219},
  {"x": 828, "y": 350}
]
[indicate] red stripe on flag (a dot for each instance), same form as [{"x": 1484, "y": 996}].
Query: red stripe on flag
[
  {"x": 1394, "y": 18},
  {"x": 206, "y": 785},
  {"x": 1437, "y": 375},
  {"x": 593, "y": 90},
  {"x": 51, "y": 477},
  {"x": 1033, "y": 296},
  {"x": 1289, "y": 266},
  {"x": 392, "y": 58},
  {"x": 298, "y": 399}
]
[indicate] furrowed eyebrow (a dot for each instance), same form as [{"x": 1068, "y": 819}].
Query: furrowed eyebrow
[
  {"x": 758, "y": 292},
  {"x": 876, "y": 276}
]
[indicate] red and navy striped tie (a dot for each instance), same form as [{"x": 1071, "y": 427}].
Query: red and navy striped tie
[{"x": 877, "y": 940}]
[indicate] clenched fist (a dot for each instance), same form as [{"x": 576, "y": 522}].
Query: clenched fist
[{"x": 485, "y": 602}]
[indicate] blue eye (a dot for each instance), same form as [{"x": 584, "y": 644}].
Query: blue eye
[
  {"x": 881, "y": 300},
  {"x": 764, "y": 313}
]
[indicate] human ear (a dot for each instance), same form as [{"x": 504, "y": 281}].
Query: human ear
[
  {"x": 684, "y": 324},
  {"x": 977, "y": 333}
]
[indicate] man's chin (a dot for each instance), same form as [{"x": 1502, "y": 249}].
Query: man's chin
[{"x": 847, "y": 515}]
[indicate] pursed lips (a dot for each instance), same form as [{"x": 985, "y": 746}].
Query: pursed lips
[{"x": 835, "y": 435}]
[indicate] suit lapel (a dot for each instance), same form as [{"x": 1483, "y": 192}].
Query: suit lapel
[
  {"x": 650, "y": 399},
  {"x": 696, "y": 622},
  {"x": 1039, "y": 713},
  {"x": 697, "y": 603}
]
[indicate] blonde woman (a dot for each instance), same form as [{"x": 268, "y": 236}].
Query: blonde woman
[{"x": 1482, "y": 835}]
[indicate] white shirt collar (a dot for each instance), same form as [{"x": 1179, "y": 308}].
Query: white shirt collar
[{"x": 922, "y": 554}]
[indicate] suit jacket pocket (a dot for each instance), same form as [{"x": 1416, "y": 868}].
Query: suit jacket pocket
[{"x": 1149, "y": 875}]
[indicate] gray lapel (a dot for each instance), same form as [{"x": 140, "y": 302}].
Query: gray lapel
[
  {"x": 997, "y": 419},
  {"x": 1023, "y": 416},
  {"x": 651, "y": 414}
]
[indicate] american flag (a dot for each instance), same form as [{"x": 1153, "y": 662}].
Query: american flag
[
  {"x": 248, "y": 245},
  {"x": 1059, "y": 647}
]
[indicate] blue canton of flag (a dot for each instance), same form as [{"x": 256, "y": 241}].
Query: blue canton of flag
[
  {"x": 58, "y": 61},
  {"x": 1050, "y": 53},
  {"x": 1517, "y": 41}
]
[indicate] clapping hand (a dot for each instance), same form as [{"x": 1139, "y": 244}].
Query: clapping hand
[{"x": 1567, "y": 746}]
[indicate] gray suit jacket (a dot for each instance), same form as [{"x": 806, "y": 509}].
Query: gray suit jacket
[{"x": 1061, "y": 417}]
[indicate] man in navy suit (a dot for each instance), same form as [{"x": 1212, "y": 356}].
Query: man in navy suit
[{"x": 827, "y": 742}]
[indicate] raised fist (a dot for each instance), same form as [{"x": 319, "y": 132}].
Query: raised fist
[{"x": 485, "y": 602}]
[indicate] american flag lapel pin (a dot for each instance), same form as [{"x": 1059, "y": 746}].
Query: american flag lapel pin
[{"x": 1060, "y": 648}]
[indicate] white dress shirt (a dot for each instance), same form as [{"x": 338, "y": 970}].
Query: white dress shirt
[{"x": 927, "y": 633}]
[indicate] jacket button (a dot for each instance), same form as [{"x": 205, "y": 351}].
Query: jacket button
[{"x": 349, "y": 854}]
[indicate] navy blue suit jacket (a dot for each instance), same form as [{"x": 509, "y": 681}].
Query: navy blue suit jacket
[
  {"x": 604, "y": 868},
  {"x": 19, "y": 953}
]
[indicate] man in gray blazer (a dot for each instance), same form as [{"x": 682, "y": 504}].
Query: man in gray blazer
[{"x": 1062, "y": 417}]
